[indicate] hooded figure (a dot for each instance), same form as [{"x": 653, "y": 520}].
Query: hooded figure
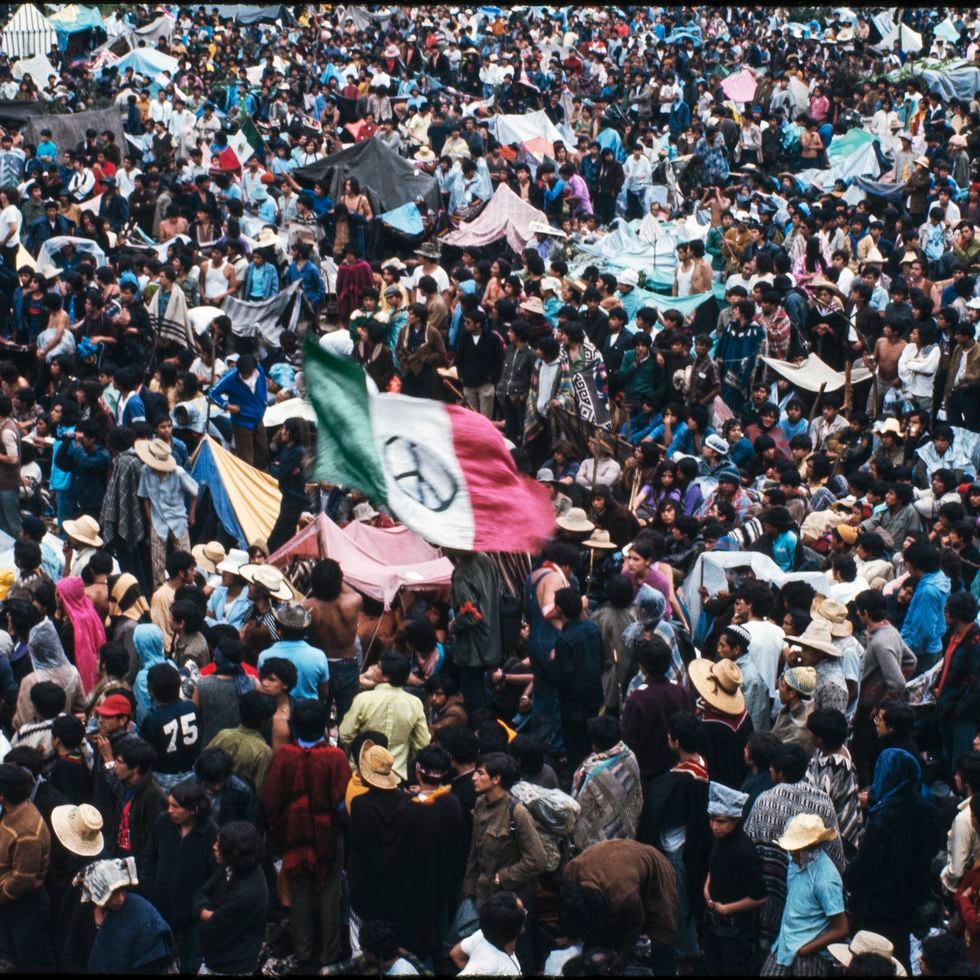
[{"x": 148, "y": 640}]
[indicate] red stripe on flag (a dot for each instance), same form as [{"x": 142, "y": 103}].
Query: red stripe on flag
[{"x": 510, "y": 511}]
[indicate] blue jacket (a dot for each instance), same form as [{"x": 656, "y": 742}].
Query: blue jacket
[
  {"x": 252, "y": 404},
  {"x": 313, "y": 288},
  {"x": 924, "y": 624}
]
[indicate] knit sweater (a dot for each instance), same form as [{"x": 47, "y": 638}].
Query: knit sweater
[{"x": 25, "y": 847}]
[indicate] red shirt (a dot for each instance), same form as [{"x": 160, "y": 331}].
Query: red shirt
[{"x": 211, "y": 668}]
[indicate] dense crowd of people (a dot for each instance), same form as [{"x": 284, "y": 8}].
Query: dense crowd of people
[{"x": 726, "y": 722}]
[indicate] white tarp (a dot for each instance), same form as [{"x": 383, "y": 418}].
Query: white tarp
[
  {"x": 813, "y": 373},
  {"x": 520, "y": 129},
  {"x": 709, "y": 571},
  {"x": 38, "y": 67},
  {"x": 861, "y": 163},
  {"x": 50, "y": 249},
  {"x": 148, "y": 62}
]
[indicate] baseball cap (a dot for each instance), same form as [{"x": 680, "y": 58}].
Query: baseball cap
[{"x": 114, "y": 706}]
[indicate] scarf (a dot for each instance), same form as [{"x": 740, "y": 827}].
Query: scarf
[
  {"x": 148, "y": 641},
  {"x": 896, "y": 778},
  {"x": 131, "y": 938},
  {"x": 230, "y": 668},
  {"x": 87, "y": 627},
  {"x": 126, "y": 601}
]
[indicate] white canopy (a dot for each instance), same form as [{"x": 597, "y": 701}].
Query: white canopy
[
  {"x": 28, "y": 33},
  {"x": 38, "y": 67}
]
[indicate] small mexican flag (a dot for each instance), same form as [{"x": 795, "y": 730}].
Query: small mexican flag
[{"x": 442, "y": 470}]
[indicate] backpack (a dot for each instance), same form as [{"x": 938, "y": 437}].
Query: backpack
[{"x": 554, "y": 814}]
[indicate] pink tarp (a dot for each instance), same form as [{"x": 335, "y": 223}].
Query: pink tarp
[
  {"x": 740, "y": 87},
  {"x": 376, "y": 561},
  {"x": 506, "y": 216}
]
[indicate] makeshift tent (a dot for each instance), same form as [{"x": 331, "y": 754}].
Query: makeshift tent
[
  {"x": 862, "y": 162},
  {"x": 388, "y": 179},
  {"x": 38, "y": 67},
  {"x": 364, "y": 19},
  {"x": 50, "y": 251},
  {"x": 814, "y": 373},
  {"x": 950, "y": 79},
  {"x": 161, "y": 27},
  {"x": 266, "y": 318},
  {"x": 505, "y": 216},
  {"x": 68, "y": 130},
  {"x": 376, "y": 561},
  {"x": 248, "y": 13},
  {"x": 74, "y": 19},
  {"x": 28, "y": 33},
  {"x": 245, "y": 499},
  {"x": 523, "y": 128},
  {"x": 291, "y": 408},
  {"x": 148, "y": 62}
]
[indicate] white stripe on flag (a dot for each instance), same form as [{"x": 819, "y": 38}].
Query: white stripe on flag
[{"x": 426, "y": 486}]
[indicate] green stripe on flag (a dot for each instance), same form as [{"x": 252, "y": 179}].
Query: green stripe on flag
[
  {"x": 346, "y": 453},
  {"x": 253, "y": 136}
]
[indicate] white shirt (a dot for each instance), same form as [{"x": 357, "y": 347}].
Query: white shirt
[
  {"x": 11, "y": 215},
  {"x": 439, "y": 274},
  {"x": 125, "y": 181},
  {"x": 638, "y": 173},
  {"x": 81, "y": 183},
  {"x": 917, "y": 369},
  {"x": 485, "y": 960},
  {"x": 765, "y": 649},
  {"x": 161, "y": 111}
]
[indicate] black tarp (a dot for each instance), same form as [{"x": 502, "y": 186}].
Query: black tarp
[
  {"x": 247, "y": 13},
  {"x": 68, "y": 129},
  {"x": 388, "y": 179}
]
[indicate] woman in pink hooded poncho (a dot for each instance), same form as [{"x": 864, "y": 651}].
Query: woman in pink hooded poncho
[{"x": 87, "y": 632}]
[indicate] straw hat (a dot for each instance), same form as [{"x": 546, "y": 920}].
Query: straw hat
[
  {"x": 833, "y": 612},
  {"x": 376, "y": 766},
  {"x": 293, "y": 617},
  {"x": 819, "y": 636},
  {"x": 157, "y": 454},
  {"x": 848, "y": 533},
  {"x": 267, "y": 238},
  {"x": 233, "y": 561},
  {"x": 429, "y": 250},
  {"x": 874, "y": 257},
  {"x": 820, "y": 282},
  {"x": 85, "y": 530},
  {"x": 425, "y": 155},
  {"x": 803, "y": 680},
  {"x": 533, "y": 304},
  {"x": 719, "y": 684},
  {"x": 550, "y": 284},
  {"x": 209, "y": 555},
  {"x": 923, "y": 161},
  {"x": 908, "y": 257},
  {"x": 79, "y": 828},
  {"x": 804, "y": 830},
  {"x": 269, "y": 578},
  {"x": 866, "y": 942},
  {"x": 600, "y": 540},
  {"x": 576, "y": 520},
  {"x": 364, "y": 512},
  {"x": 893, "y": 426}
]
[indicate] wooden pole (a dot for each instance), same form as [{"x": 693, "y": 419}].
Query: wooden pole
[
  {"x": 847, "y": 386},
  {"x": 816, "y": 401}
]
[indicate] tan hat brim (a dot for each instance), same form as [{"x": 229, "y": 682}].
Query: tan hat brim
[
  {"x": 72, "y": 530},
  {"x": 731, "y": 704},
  {"x": 67, "y": 836}
]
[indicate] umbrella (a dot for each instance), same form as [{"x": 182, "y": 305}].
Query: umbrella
[{"x": 740, "y": 87}]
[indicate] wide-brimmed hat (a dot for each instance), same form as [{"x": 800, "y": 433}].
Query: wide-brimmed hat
[
  {"x": 233, "y": 561},
  {"x": 818, "y": 636},
  {"x": 293, "y": 617},
  {"x": 719, "y": 684},
  {"x": 908, "y": 257},
  {"x": 600, "y": 539},
  {"x": 269, "y": 578},
  {"x": 364, "y": 512},
  {"x": 157, "y": 454},
  {"x": 874, "y": 257},
  {"x": 85, "y": 530},
  {"x": 866, "y": 942},
  {"x": 821, "y": 282},
  {"x": 429, "y": 250},
  {"x": 267, "y": 238},
  {"x": 543, "y": 228},
  {"x": 210, "y": 555},
  {"x": 576, "y": 520},
  {"x": 891, "y": 425},
  {"x": 833, "y": 612},
  {"x": 550, "y": 284},
  {"x": 803, "y": 680},
  {"x": 533, "y": 304},
  {"x": 718, "y": 444},
  {"x": 804, "y": 830},
  {"x": 376, "y": 766},
  {"x": 425, "y": 155},
  {"x": 905, "y": 135},
  {"x": 923, "y": 161},
  {"x": 79, "y": 828}
]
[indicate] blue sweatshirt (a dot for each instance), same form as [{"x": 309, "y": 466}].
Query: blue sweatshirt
[{"x": 232, "y": 390}]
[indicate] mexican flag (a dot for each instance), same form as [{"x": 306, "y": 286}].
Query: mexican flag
[{"x": 442, "y": 470}]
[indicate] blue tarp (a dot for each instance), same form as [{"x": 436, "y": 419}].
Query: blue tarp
[
  {"x": 206, "y": 474},
  {"x": 407, "y": 219},
  {"x": 148, "y": 62},
  {"x": 73, "y": 19},
  {"x": 889, "y": 191}
]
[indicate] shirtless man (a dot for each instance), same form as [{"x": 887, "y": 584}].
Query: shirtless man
[
  {"x": 335, "y": 608},
  {"x": 884, "y": 360}
]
